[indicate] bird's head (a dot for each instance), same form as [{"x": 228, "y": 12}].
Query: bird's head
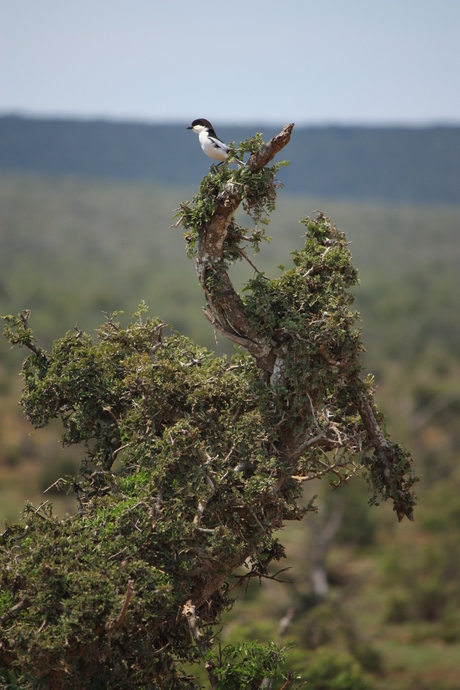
[{"x": 201, "y": 125}]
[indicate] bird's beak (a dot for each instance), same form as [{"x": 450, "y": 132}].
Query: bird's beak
[{"x": 190, "y": 127}]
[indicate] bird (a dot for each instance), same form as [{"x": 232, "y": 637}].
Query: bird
[{"x": 210, "y": 142}]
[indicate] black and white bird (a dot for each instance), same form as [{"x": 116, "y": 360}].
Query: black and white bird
[{"x": 210, "y": 142}]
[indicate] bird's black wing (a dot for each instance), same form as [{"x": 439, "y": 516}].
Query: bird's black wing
[{"x": 218, "y": 143}]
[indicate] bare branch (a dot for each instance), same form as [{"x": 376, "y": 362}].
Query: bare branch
[
  {"x": 259, "y": 160},
  {"x": 308, "y": 443},
  {"x": 284, "y": 624},
  {"x": 114, "y": 625},
  {"x": 56, "y": 483},
  {"x": 23, "y": 604},
  {"x": 256, "y": 572}
]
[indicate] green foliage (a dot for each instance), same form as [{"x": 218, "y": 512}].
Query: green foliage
[
  {"x": 309, "y": 307},
  {"x": 245, "y": 665},
  {"x": 17, "y": 331},
  {"x": 163, "y": 408}
]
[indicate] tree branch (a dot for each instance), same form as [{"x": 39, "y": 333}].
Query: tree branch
[
  {"x": 227, "y": 312},
  {"x": 114, "y": 625},
  {"x": 389, "y": 460},
  {"x": 23, "y": 604},
  {"x": 260, "y": 159}
]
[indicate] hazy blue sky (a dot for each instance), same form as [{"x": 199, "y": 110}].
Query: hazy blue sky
[{"x": 305, "y": 61}]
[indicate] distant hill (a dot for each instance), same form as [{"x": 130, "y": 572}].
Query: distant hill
[{"x": 373, "y": 163}]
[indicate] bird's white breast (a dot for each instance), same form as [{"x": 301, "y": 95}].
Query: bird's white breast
[{"x": 214, "y": 149}]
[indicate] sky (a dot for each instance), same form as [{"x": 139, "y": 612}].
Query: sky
[{"x": 365, "y": 62}]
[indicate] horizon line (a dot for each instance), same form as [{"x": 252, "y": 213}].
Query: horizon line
[{"x": 118, "y": 119}]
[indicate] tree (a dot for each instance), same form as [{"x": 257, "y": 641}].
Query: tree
[{"x": 191, "y": 463}]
